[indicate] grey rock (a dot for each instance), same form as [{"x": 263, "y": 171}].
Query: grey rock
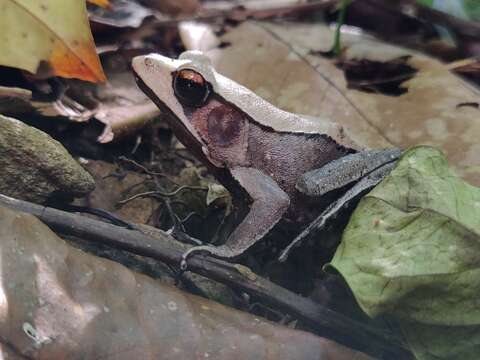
[{"x": 35, "y": 167}]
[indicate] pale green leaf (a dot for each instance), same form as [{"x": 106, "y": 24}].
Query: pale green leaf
[{"x": 412, "y": 252}]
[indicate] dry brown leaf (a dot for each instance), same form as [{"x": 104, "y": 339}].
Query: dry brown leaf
[
  {"x": 123, "y": 108},
  {"x": 58, "y": 302},
  {"x": 121, "y": 14},
  {"x": 15, "y": 100},
  {"x": 124, "y": 119},
  {"x": 49, "y": 37},
  {"x": 102, "y": 3},
  {"x": 118, "y": 104},
  {"x": 250, "y": 4},
  {"x": 18, "y": 101},
  {"x": 197, "y": 35},
  {"x": 174, "y": 7}
]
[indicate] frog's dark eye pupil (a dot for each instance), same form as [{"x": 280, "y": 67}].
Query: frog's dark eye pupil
[{"x": 190, "y": 88}]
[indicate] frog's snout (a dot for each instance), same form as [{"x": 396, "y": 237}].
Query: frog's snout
[{"x": 138, "y": 63}]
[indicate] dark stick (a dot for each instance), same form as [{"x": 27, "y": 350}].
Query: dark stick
[{"x": 234, "y": 275}]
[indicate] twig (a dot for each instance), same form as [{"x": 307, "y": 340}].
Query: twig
[
  {"x": 234, "y": 275},
  {"x": 160, "y": 193},
  {"x": 147, "y": 171}
]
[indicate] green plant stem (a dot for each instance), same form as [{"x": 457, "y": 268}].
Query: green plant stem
[{"x": 340, "y": 21}]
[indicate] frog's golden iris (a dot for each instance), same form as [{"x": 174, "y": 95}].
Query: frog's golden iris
[{"x": 190, "y": 88}]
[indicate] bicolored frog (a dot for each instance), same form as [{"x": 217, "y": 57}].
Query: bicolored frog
[{"x": 269, "y": 159}]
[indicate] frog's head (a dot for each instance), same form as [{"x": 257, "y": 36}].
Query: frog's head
[{"x": 179, "y": 88}]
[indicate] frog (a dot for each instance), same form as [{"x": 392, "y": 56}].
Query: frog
[{"x": 274, "y": 163}]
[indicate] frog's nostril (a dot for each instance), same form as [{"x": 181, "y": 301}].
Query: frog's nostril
[{"x": 148, "y": 62}]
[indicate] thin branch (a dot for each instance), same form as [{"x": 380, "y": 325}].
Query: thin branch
[
  {"x": 147, "y": 171},
  {"x": 164, "y": 194}
]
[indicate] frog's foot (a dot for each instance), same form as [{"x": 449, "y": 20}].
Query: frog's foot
[{"x": 222, "y": 252}]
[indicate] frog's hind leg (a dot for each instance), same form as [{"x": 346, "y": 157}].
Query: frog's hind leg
[
  {"x": 345, "y": 170},
  {"x": 365, "y": 184},
  {"x": 269, "y": 203}
]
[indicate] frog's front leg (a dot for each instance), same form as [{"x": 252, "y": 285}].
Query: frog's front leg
[
  {"x": 269, "y": 203},
  {"x": 367, "y": 167}
]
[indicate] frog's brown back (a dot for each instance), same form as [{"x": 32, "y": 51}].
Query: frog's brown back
[{"x": 286, "y": 156}]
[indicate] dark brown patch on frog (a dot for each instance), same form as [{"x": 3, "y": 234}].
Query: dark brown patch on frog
[
  {"x": 224, "y": 129},
  {"x": 224, "y": 125}
]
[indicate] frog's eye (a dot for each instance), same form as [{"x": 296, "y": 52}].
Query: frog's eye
[{"x": 190, "y": 88}]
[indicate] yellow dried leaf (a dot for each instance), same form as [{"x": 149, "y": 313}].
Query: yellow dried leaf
[{"x": 52, "y": 36}]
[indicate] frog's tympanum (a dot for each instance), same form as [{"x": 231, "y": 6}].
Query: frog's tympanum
[{"x": 267, "y": 158}]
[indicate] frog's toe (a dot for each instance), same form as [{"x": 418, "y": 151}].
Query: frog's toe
[
  {"x": 222, "y": 252},
  {"x": 188, "y": 253},
  {"x": 212, "y": 250}
]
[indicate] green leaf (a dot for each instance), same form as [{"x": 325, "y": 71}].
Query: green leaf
[
  {"x": 412, "y": 252},
  {"x": 464, "y": 9},
  {"x": 426, "y": 2},
  {"x": 472, "y": 8}
]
